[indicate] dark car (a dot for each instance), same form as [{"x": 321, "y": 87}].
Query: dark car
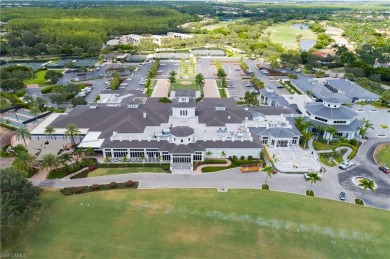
[
  {"x": 342, "y": 196},
  {"x": 384, "y": 169}
]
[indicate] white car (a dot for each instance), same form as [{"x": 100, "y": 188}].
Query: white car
[
  {"x": 346, "y": 164},
  {"x": 308, "y": 177},
  {"x": 162, "y": 64},
  {"x": 230, "y": 86}
]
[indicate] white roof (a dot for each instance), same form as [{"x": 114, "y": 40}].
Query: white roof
[{"x": 92, "y": 140}]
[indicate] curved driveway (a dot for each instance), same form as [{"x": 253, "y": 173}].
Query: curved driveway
[{"x": 333, "y": 182}]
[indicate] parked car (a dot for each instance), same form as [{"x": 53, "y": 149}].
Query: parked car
[
  {"x": 342, "y": 196},
  {"x": 162, "y": 64},
  {"x": 248, "y": 84},
  {"x": 346, "y": 164},
  {"x": 308, "y": 177},
  {"x": 384, "y": 169},
  {"x": 230, "y": 86}
]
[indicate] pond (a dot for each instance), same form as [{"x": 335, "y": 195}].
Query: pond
[
  {"x": 307, "y": 44},
  {"x": 300, "y": 26}
]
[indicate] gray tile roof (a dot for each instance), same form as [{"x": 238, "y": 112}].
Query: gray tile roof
[
  {"x": 351, "y": 89},
  {"x": 182, "y": 131},
  {"x": 352, "y": 127},
  {"x": 184, "y": 92},
  {"x": 320, "y": 110},
  {"x": 277, "y": 132}
]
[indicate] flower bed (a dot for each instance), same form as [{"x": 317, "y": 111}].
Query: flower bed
[{"x": 99, "y": 187}]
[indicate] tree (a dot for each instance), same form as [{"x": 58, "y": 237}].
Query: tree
[
  {"x": 53, "y": 76},
  {"x": 49, "y": 161},
  {"x": 172, "y": 77},
  {"x": 22, "y": 134},
  {"x": 79, "y": 153},
  {"x": 313, "y": 178},
  {"x": 11, "y": 84},
  {"x": 320, "y": 129},
  {"x": 251, "y": 99},
  {"x": 331, "y": 131},
  {"x": 71, "y": 131},
  {"x": 221, "y": 74},
  {"x": 40, "y": 102},
  {"x": 209, "y": 153},
  {"x": 115, "y": 83},
  {"x": 384, "y": 127},
  {"x": 35, "y": 111},
  {"x": 223, "y": 154},
  {"x": 78, "y": 101},
  {"x": 299, "y": 123},
  {"x": 19, "y": 201},
  {"x": 28, "y": 99},
  {"x": 367, "y": 184},
  {"x": 199, "y": 80},
  {"x": 24, "y": 161},
  {"x": 64, "y": 158},
  {"x": 58, "y": 98},
  {"x": 49, "y": 130},
  {"x": 89, "y": 151},
  {"x": 270, "y": 171},
  {"x": 306, "y": 136}
]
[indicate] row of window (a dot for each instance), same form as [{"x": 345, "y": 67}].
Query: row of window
[
  {"x": 339, "y": 122},
  {"x": 321, "y": 119},
  {"x": 183, "y": 113}
]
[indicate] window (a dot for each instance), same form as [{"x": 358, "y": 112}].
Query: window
[
  {"x": 339, "y": 122},
  {"x": 321, "y": 119},
  {"x": 181, "y": 141},
  {"x": 189, "y": 139},
  {"x": 308, "y": 113},
  {"x": 282, "y": 143},
  {"x": 295, "y": 140}
]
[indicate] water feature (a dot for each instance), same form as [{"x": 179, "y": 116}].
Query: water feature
[
  {"x": 307, "y": 44},
  {"x": 301, "y": 26}
]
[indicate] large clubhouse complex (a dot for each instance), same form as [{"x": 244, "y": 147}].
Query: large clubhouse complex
[{"x": 128, "y": 126}]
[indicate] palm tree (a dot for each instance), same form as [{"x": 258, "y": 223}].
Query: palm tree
[
  {"x": 320, "y": 130},
  {"x": 306, "y": 136},
  {"x": 89, "y": 151},
  {"x": 384, "y": 127},
  {"x": 22, "y": 133},
  {"x": 34, "y": 111},
  {"x": 209, "y": 153},
  {"x": 270, "y": 171},
  {"x": 307, "y": 125},
  {"x": 362, "y": 131},
  {"x": 221, "y": 74},
  {"x": 64, "y": 158},
  {"x": 71, "y": 131},
  {"x": 199, "y": 80},
  {"x": 367, "y": 124},
  {"x": 28, "y": 99},
  {"x": 299, "y": 123},
  {"x": 331, "y": 130},
  {"x": 223, "y": 154},
  {"x": 49, "y": 130},
  {"x": 40, "y": 102},
  {"x": 24, "y": 161},
  {"x": 79, "y": 153},
  {"x": 313, "y": 177},
  {"x": 367, "y": 184},
  {"x": 49, "y": 161}
]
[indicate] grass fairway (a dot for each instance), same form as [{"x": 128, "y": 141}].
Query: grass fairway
[
  {"x": 212, "y": 27},
  {"x": 128, "y": 170},
  {"x": 285, "y": 34},
  {"x": 39, "y": 78},
  {"x": 179, "y": 223}
]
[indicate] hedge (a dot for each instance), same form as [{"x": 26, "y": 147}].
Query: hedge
[
  {"x": 265, "y": 187},
  {"x": 21, "y": 93},
  {"x": 47, "y": 89},
  {"x": 164, "y": 166},
  {"x": 214, "y": 161},
  {"x": 309, "y": 193},
  {"x": 99, "y": 187},
  {"x": 70, "y": 169},
  {"x": 8, "y": 126}
]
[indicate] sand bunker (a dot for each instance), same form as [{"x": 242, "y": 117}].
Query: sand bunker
[{"x": 186, "y": 83}]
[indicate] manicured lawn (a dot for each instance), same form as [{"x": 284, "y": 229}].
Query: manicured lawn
[
  {"x": 222, "y": 92},
  {"x": 39, "y": 78},
  {"x": 384, "y": 155},
  {"x": 324, "y": 158},
  {"x": 194, "y": 223},
  {"x": 285, "y": 34},
  {"x": 322, "y": 145},
  {"x": 128, "y": 170},
  {"x": 182, "y": 84}
]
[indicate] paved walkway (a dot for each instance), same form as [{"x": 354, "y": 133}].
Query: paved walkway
[
  {"x": 199, "y": 169},
  {"x": 210, "y": 89},
  {"x": 161, "y": 88},
  {"x": 345, "y": 156}
]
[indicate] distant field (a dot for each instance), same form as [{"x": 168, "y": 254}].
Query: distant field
[
  {"x": 180, "y": 223},
  {"x": 222, "y": 24},
  {"x": 286, "y": 35}
]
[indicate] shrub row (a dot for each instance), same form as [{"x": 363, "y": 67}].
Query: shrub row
[
  {"x": 243, "y": 65},
  {"x": 214, "y": 161},
  {"x": 120, "y": 165},
  {"x": 293, "y": 87},
  {"x": 257, "y": 82},
  {"x": 7, "y": 126},
  {"x": 47, "y": 89},
  {"x": 70, "y": 169},
  {"x": 84, "y": 173},
  {"x": 99, "y": 187}
]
